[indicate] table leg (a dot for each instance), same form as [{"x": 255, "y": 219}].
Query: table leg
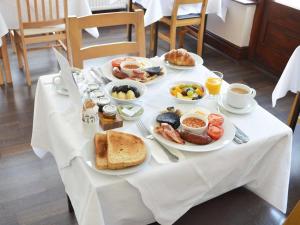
[
  {"x": 294, "y": 113},
  {"x": 70, "y": 207},
  {"x": 6, "y": 60},
  {"x": 153, "y": 39}
]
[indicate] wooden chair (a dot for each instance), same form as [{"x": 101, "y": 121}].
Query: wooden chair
[
  {"x": 46, "y": 22},
  {"x": 5, "y": 61},
  {"x": 176, "y": 21},
  {"x": 294, "y": 112},
  {"x": 294, "y": 217},
  {"x": 76, "y": 25}
]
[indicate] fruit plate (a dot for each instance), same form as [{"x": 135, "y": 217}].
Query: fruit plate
[
  {"x": 229, "y": 133},
  {"x": 88, "y": 156},
  {"x": 197, "y": 58},
  {"x": 107, "y": 68}
]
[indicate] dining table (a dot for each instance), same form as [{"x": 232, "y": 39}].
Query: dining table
[
  {"x": 9, "y": 11},
  {"x": 160, "y": 191},
  {"x": 156, "y": 9}
]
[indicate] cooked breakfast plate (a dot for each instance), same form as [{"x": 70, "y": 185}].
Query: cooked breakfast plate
[
  {"x": 140, "y": 69},
  {"x": 198, "y": 61},
  {"x": 190, "y": 128},
  {"x": 122, "y": 157}
]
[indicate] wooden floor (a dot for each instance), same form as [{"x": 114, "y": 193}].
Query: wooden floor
[{"x": 31, "y": 192}]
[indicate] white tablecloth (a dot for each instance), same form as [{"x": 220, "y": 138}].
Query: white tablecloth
[
  {"x": 8, "y": 9},
  {"x": 162, "y": 192},
  {"x": 290, "y": 79},
  {"x": 3, "y": 28},
  {"x": 156, "y": 9}
]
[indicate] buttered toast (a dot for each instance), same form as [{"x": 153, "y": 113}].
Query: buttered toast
[{"x": 118, "y": 150}]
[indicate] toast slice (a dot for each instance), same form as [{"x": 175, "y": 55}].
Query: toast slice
[
  {"x": 101, "y": 151},
  {"x": 124, "y": 150}
]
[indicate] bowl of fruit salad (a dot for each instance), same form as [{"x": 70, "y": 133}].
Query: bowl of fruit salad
[
  {"x": 187, "y": 91},
  {"x": 126, "y": 91}
]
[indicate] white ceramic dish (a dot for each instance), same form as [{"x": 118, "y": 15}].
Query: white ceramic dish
[
  {"x": 88, "y": 156},
  {"x": 248, "y": 109},
  {"x": 187, "y": 101},
  {"x": 197, "y": 58},
  {"x": 199, "y": 130},
  {"x": 229, "y": 133},
  {"x": 130, "y": 118},
  {"x": 106, "y": 69},
  {"x": 141, "y": 88}
]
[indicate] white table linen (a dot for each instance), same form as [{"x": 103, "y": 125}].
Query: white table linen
[
  {"x": 156, "y": 9},
  {"x": 3, "y": 29},
  {"x": 8, "y": 9},
  {"x": 162, "y": 192},
  {"x": 290, "y": 79}
]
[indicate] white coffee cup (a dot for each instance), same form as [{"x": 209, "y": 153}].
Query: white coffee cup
[
  {"x": 239, "y": 95},
  {"x": 58, "y": 82}
]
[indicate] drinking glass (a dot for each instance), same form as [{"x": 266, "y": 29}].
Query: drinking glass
[{"x": 213, "y": 84}]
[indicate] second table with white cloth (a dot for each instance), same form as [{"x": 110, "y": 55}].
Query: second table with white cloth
[
  {"x": 3, "y": 28},
  {"x": 156, "y": 9},
  {"x": 161, "y": 192},
  {"x": 9, "y": 11}
]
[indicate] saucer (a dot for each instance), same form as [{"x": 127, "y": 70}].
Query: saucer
[{"x": 222, "y": 102}]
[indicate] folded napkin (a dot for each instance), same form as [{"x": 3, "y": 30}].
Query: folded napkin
[{"x": 290, "y": 79}]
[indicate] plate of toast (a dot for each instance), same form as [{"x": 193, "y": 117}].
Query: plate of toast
[
  {"x": 181, "y": 59},
  {"x": 117, "y": 153}
]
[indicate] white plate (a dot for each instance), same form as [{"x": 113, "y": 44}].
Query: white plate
[
  {"x": 89, "y": 159},
  {"x": 223, "y": 104},
  {"x": 229, "y": 133},
  {"x": 197, "y": 58},
  {"x": 106, "y": 69}
]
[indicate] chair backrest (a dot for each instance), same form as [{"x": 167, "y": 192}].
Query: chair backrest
[
  {"x": 177, "y": 3},
  {"x": 76, "y": 25},
  {"x": 41, "y": 13}
]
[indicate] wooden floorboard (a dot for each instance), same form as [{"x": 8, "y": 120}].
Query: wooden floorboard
[{"x": 31, "y": 191}]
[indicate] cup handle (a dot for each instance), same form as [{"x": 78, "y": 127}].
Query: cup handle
[{"x": 253, "y": 93}]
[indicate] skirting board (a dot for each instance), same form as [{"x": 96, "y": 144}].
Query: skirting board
[{"x": 225, "y": 46}]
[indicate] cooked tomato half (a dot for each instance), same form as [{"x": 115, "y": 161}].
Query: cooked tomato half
[
  {"x": 216, "y": 119},
  {"x": 117, "y": 62},
  {"x": 215, "y": 132}
]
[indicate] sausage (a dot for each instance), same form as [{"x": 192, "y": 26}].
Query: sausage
[{"x": 197, "y": 139}]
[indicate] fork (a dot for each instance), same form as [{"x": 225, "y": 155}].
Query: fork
[{"x": 146, "y": 133}]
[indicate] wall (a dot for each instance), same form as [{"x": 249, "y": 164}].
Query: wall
[{"x": 237, "y": 27}]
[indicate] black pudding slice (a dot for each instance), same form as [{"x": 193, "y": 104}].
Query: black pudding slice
[{"x": 170, "y": 118}]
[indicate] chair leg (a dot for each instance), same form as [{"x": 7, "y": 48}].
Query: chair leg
[
  {"x": 19, "y": 52},
  {"x": 182, "y": 33},
  {"x": 294, "y": 113},
  {"x": 6, "y": 60},
  {"x": 153, "y": 39},
  {"x": 26, "y": 65},
  {"x": 172, "y": 37},
  {"x": 200, "y": 40},
  {"x": 1, "y": 76},
  {"x": 129, "y": 27},
  {"x": 70, "y": 207},
  {"x": 12, "y": 41}
]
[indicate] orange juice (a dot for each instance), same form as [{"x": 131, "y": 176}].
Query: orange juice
[{"x": 213, "y": 85}]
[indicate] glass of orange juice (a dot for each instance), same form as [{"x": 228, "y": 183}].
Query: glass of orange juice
[{"x": 213, "y": 83}]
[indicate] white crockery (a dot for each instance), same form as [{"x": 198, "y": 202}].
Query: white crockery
[
  {"x": 140, "y": 86},
  {"x": 128, "y": 71},
  {"x": 238, "y": 100},
  {"x": 199, "y": 130},
  {"x": 187, "y": 101}
]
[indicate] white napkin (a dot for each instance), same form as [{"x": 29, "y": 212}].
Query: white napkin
[{"x": 290, "y": 79}]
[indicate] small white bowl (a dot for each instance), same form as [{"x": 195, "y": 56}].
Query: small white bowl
[
  {"x": 140, "y": 87},
  {"x": 187, "y": 101},
  {"x": 199, "y": 130},
  {"x": 127, "y": 117},
  {"x": 128, "y": 71}
]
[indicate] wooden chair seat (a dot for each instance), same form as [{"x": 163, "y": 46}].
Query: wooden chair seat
[{"x": 44, "y": 30}]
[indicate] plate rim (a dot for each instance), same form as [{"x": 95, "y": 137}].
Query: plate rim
[
  {"x": 120, "y": 172},
  {"x": 201, "y": 148},
  {"x": 182, "y": 67},
  {"x": 111, "y": 77}
]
